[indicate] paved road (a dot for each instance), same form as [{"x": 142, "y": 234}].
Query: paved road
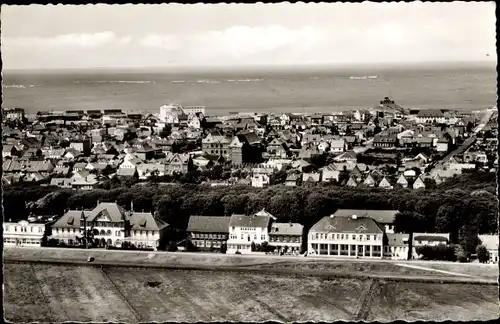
[{"x": 248, "y": 256}]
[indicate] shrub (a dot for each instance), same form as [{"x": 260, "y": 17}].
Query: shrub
[{"x": 482, "y": 254}]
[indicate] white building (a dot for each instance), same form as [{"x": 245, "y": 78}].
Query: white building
[
  {"x": 169, "y": 114},
  {"x": 286, "y": 237},
  {"x": 352, "y": 236},
  {"x": 110, "y": 225},
  {"x": 23, "y": 233},
  {"x": 491, "y": 244},
  {"x": 245, "y": 230},
  {"x": 194, "y": 109}
]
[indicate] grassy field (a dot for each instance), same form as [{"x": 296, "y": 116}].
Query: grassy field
[{"x": 78, "y": 293}]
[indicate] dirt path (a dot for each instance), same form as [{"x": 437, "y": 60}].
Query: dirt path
[{"x": 365, "y": 300}]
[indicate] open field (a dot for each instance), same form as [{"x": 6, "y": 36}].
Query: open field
[{"x": 79, "y": 293}]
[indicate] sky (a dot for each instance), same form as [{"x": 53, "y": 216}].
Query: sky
[{"x": 51, "y": 37}]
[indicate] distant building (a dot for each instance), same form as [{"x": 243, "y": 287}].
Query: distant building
[
  {"x": 194, "y": 109},
  {"x": 208, "y": 232},
  {"x": 491, "y": 244}
]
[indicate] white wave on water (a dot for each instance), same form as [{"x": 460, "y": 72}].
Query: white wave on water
[
  {"x": 363, "y": 77},
  {"x": 18, "y": 86},
  {"x": 117, "y": 81},
  {"x": 178, "y": 81}
]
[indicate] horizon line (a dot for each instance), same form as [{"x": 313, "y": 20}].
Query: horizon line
[{"x": 268, "y": 65}]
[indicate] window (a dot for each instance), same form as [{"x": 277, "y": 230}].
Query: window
[
  {"x": 15, "y": 228},
  {"x": 338, "y": 236},
  {"x": 262, "y": 237},
  {"x": 242, "y": 236},
  {"x": 367, "y": 237},
  {"x": 342, "y": 236},
  {"x": 353, "y": 236},
  {"x": 317, "y": 236},
  {"x": 74, "y": 230},
  {"x": 255, "y": 236},
  {"x": 31, "y": 229}
]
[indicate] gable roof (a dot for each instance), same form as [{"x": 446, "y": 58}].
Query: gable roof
[
  {"x": 346, "y": 224},
  {"x": 71, "y": 219},
  {"x": 381, "y": 216},
  {"x": 209, "y": 224},
  {"x": 112, "y": 211},
  {"x": 286, "y": 229},
  {"x": 255, "y": 220},
  {"x": 146, "y": 221}
]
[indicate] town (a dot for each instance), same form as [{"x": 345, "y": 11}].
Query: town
[{"x": 386, "y": 147}]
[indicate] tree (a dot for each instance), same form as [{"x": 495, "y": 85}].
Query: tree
[
  {"x": 253, "y": 246},
  {"x": 460, "y": 254},
  {"x": 166, "y": 131},
  {"x": 482, "y": 254}
]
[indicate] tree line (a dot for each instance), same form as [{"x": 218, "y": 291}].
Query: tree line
[{"x": 464, "y": 206}]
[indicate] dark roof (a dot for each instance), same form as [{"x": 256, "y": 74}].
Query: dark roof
[
  {"x": 347, "y": 224},
  {"x": 209, "y": 224},
  {"x": 430, "y": 238},
  {"x": 381, "y": 216},
  {"x": 250, "y": 221}
]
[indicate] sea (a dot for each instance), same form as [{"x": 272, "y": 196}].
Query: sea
[{"x": 271, "y": 90}]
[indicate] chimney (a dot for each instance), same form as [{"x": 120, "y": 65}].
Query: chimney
[{"x": 354, "y": 216}]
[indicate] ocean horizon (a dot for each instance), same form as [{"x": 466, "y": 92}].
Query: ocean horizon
[{"x": 301, "y": 89}]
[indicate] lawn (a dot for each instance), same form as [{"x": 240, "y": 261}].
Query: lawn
[{"x": 56, "y": 293}]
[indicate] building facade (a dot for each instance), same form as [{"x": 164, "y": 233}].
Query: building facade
[
  {"x": 245, "y": 230},
  {"x": 286, "y": 237},
  {"x": 339, "y": 236},
  {"x": 23, "y": 234},
  {"x": 208, "y": 233}
]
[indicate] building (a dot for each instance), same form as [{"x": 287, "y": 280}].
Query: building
[
  {"x": 385, "y": 141},
  {"x": 245, "y": 230},
  {"x": 397, "y": 246},
  {"x": 194, "y": 109},
  {"x": 352, "y": 236},
  {"x": 491, "y": 244},
  {"x": 208, "y": 233},
  {"x": 83, "y": 146},
  {"x": 430, "y": 116},
  {"x": 286, "y": 237},
  {"x": 110, "y": 225},
  {"x": 172, "y": 113},
  {"x": 23, "y": 233},
  {"x": 13, "y": 114}
]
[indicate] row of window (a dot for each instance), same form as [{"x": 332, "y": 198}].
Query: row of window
[
  {"x": 208, "y": 236},
  {"x": 32, "y": 229},
  {"x": 202, "y": 243},
  {"x": 239, "y": 247},
  {"x": 217, "y": 152},
  {"x": 248, "y": 237},
  {"x": 333, "y": 236},
  {"x": 23, "y": 241},
  {"x": 103, "y": 232},
  {"x": 285, "y": 239},
  {"x": 347, "y": 250}
]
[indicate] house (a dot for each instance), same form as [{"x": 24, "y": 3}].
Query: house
[
  {"x": 97, "y": 167},
  {"x": 216, "y": 144},
  {"x": 178, "y": 162},
  {"x": 383, "y": 217},
  {"x": 337, "y": 146},
  {"x": 110, "y": 225},
  {"x": 292, "y": 180},
  {"x": 260, "y": 180},
  {"x": 385, "y": 184},
  {"x": 346, "y": 236},
  {"x": 208, "y": 232},
  {"x": 419, "y": 183},
  {"x": 245, "y": 230},
  {"x": 442, "y": 145},
  {"x": 311, "y": 177},
  {"x": 491, "y": 244},
  {"x": 88, "y": 183},
  {"x": 369, "y": 181},
  {"x": 351, "y": 182},
  {"x": 402, "y": 181},
  {"x": 385, "y": 141},
  {"x": 61, "y": 182},
  {"x": 145, "y": 232},
  {"x": 127, "y": 172},
  {"x": 432, "y": 239},
  {"x": 145, "y": 170},
  {"x": 397, "y": 246},
  {"x": 286, "y": 237},
  {"x": 23, "y": 233},
  {"x": 348, "y": 156},
  {"x": 43, "y": 167},
  {"x": 330, "y": 173}
]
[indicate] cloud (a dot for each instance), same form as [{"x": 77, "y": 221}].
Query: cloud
[{"x": 82, "y": 40}]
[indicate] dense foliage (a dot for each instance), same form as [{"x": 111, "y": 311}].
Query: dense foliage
[
  {"x": 464, "y": 206},
  {"x": 438, "y": 252}
]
